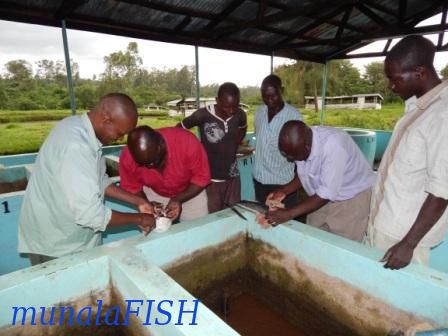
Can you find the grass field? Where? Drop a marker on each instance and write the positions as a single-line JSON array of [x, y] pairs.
[[24, 131]]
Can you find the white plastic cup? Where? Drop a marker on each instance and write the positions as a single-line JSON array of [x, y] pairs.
[[162, 224]]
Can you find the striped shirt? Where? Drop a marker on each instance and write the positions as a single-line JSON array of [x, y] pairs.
[[270, 166]]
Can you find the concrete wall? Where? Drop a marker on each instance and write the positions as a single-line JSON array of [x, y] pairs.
[[131, 268]]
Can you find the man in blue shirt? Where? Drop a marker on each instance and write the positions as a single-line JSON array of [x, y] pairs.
[[335, 175]]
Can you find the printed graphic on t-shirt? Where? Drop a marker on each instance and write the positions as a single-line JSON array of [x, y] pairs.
[[234, 171], [213, 132]]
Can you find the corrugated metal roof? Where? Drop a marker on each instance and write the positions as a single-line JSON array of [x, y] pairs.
[[316, 30]]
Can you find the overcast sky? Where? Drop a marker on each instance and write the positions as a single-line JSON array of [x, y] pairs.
[[33, 43]]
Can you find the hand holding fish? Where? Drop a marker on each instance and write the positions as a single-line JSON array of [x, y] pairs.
[[173, 209], [274, 199], [278, 216], [158, 208], [145, 207]]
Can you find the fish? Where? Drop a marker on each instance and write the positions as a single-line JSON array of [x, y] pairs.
[[252, 206], [238, 213], [259, 209]]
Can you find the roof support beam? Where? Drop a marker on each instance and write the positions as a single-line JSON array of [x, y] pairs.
[[27, 14], [261, 9], [402, 6], [379, 7], [163, 7], [331, 21], [197, 14], [363, 55], [371, 14], [437, 7], [442, 21], [67, 7], [185, 22], [277, 17], [224, 14], [309, 27], [388, 35], [317, 42], [387, 45], [344, 20]]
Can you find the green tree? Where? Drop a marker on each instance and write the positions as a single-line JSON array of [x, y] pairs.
[[19, 70], [85, 95], [444, 72], [124, 65], [184, 81], [122, 69], [48, 70], [377, 81], [3, 95], [344, 79]]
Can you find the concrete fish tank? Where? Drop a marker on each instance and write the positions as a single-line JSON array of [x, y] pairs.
[[219, 275], [300, 280]]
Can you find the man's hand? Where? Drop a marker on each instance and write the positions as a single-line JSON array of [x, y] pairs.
[[398, 256], [157, 208], [276, 196], [173, 209], [263, 221], [145, 207], [147, 223], [277, 216]]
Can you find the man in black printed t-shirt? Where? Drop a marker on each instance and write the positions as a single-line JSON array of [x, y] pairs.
[[222, 127]]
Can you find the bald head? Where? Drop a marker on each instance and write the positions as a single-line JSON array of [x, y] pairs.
[[117, 104], [412, 51], [295, 140], [146, 146], [114, 116]]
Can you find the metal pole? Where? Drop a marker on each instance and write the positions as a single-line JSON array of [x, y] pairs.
[[198, 86], [272, 63], [68, 69], [324, 91]]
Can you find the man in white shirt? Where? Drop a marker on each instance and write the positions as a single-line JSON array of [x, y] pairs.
[[335, 175], [410, 196], [63, 209]]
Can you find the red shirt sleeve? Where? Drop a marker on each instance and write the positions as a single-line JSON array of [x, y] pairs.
[[197, 157], [127, 168]]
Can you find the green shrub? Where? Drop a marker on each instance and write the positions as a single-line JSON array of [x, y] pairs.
[[11, 126]]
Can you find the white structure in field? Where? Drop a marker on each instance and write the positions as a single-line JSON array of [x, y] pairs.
[[359, 101], [186, 106]]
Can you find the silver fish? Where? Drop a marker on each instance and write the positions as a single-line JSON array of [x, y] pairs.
[[252, 206]]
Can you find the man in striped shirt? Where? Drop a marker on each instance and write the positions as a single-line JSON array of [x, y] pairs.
[[271, 169]]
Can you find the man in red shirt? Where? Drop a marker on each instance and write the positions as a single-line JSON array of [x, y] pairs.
[[169, 166]]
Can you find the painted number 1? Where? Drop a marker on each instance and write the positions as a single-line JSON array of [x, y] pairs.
[[5, 207]]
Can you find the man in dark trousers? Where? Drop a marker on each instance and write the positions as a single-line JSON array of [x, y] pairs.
[[271, 170], [222, 126]]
